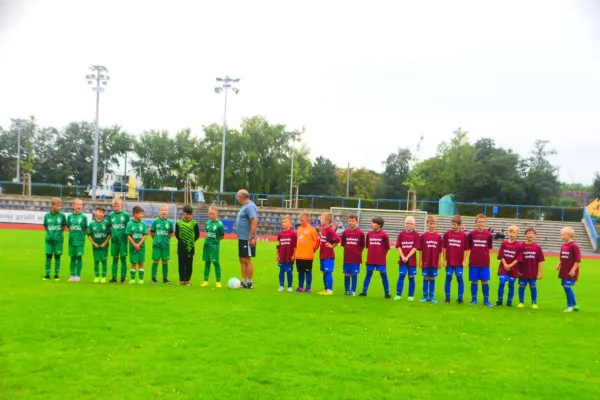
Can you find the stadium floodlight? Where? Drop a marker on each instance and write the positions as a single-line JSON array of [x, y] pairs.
[[224, 88], [98, 76], [294, 136]]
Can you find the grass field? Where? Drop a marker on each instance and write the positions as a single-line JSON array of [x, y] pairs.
[[61, 340]]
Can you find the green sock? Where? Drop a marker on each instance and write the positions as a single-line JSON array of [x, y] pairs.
[[141, 273], [56, 265], [72, 266], [48, 265], [97, 269], [218, 271], [115, 267], [104, 268], [165, 270], [206, 270], [123, 267], [79, 266], [154, 270], [132, 273]]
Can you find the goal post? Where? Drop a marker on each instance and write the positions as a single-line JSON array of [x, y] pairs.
[[393, 219]]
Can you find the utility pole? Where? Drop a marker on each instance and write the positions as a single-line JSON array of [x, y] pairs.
[[98, 76], [226, 85]]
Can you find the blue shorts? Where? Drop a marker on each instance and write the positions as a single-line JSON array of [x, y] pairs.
[[351, 269], [524, 282], [406, 270], [289, 267], [327, 265], [567, 282], [479, 274], [506, 278], [454, 270], [378, 268], [430, 272]]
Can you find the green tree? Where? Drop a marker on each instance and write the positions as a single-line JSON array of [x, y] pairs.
[[27, 129], [395, 174], [541, 177], [323, 180], [363, 182], [596, 186]]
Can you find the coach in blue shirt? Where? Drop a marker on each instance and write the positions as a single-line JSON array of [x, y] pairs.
[[245, 227]]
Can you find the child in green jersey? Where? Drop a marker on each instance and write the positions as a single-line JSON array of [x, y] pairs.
[[54, 224], [99, 235], [215, 231], [187, 233], [77, 224], [136, 232], [118, 245], [162, 230]]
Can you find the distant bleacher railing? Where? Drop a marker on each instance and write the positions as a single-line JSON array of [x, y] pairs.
[[591, 228], [570, 214]]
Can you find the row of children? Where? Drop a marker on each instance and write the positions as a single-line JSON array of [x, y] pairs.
[[124, 235], [455, 250]]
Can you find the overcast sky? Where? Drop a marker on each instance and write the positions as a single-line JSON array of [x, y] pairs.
[[364, 77]]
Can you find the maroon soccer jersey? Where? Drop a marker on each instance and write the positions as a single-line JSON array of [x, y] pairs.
[[378, 244], [455, 244], [408, 241], [480, 244], [328, 235], [510, 252], [532, 257], [431, 247], [353, 241], [287, 245], [569, 255]]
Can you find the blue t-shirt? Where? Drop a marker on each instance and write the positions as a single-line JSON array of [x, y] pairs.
[[244, 219]]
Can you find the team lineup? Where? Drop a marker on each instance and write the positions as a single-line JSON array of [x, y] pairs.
[[455, 250]]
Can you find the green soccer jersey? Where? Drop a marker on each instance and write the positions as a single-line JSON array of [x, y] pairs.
[[55, 225], [137, 230], [99, 231], [77, 224], [214, 231], [162, 228], [118, 224]]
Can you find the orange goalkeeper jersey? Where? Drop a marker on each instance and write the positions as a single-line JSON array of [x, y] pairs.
[[308, 243]]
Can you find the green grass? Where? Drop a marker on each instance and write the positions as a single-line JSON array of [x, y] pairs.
[[61, 340]]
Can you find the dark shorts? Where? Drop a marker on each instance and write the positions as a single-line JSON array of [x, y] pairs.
[[245, 250], [304, 265]]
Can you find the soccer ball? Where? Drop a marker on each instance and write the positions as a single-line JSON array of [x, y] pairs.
[[234, 283]]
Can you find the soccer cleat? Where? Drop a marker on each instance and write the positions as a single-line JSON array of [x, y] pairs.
[[47, 278], [56, 278], [520, 305], [103, 280], [433, 301], [243, 285], [499, 303], [535, 306], [397, 298], [322, 292], [123, 281], [460, 301], [166, 281], [488, 304], [218, 285], [77, 279], [446, 300], [424, 300], [250, 285], [327, 293], [180, 283], [188, 283], [71, 279], [508, 304], [281, 289], [352, 294], [113, 280], [347, 293], [410, 298], [290, 289], [140, 281], [300, 290], [131, 281], [154, 281], [575, 308], [363, 295], [473, 302], [387, 296], [309, 291], [205, 283], [568, 309]]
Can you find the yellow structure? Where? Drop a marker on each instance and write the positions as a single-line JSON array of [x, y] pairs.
[[594, 208], [132, 188]]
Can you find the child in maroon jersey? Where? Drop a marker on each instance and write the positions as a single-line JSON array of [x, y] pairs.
[[480, 243], [568, 266], [353, 241], [431, 249], [510, 256], [378, 244], [530, 269], [285, 253], [455, 244], [329, 240], [407, 244]]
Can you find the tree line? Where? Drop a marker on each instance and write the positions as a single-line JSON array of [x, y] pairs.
[[258, 157]]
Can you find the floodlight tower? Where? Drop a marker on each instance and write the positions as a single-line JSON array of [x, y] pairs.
[[98, 77], [226, 84], [294, 137]]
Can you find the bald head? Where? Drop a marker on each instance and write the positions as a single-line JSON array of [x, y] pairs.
[[242, 196]]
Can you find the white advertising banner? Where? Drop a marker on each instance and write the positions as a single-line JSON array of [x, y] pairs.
[[27, 217]]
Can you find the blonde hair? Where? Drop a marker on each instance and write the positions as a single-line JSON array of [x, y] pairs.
[[116, 200], [305, 215], [513, 228], [55, 200], [77, 199], [480, 216], [213, 208], [286, 218], [410, 219], [328, 216], [431, 218], [568, 230]]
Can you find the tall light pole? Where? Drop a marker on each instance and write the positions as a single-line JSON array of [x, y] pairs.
[[295, 136], [98, 76], [225, 86]]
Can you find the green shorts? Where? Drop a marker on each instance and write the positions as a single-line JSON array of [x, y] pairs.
[[159, 253], [55, 249], [118, 249], [100, 254], [76, 250], [210, 256], [137, 257]]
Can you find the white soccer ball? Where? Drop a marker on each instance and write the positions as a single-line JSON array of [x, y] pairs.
[[234, 283]]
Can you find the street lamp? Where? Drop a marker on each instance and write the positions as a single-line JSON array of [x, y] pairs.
[[225, 86], [98, 76], [294, 136]]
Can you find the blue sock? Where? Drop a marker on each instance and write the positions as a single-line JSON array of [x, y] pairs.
[[533, 294], [570, 296], [511, 292], [281, 276], [354, 279], [400, 285], [573, 302], [501, 290], [301, 276], [325, 281], [367, 281], [386, 283], [329, 280], [431, 288], [308, 279], [290, 278], [448, 285], [461, 287], [347, 283], [522, 294], [474, 289], [425, 289], [411, 286], [485, 288]]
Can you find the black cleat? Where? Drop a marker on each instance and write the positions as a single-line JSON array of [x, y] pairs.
[[250, 285], [460, 301], [508, 304], [113, 280], [47, 277], [166, 281], [499, 303], [123, 280], [244, 285], [388, 296], [447, 301], [56, 278], [154, 281], [363, 295]]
